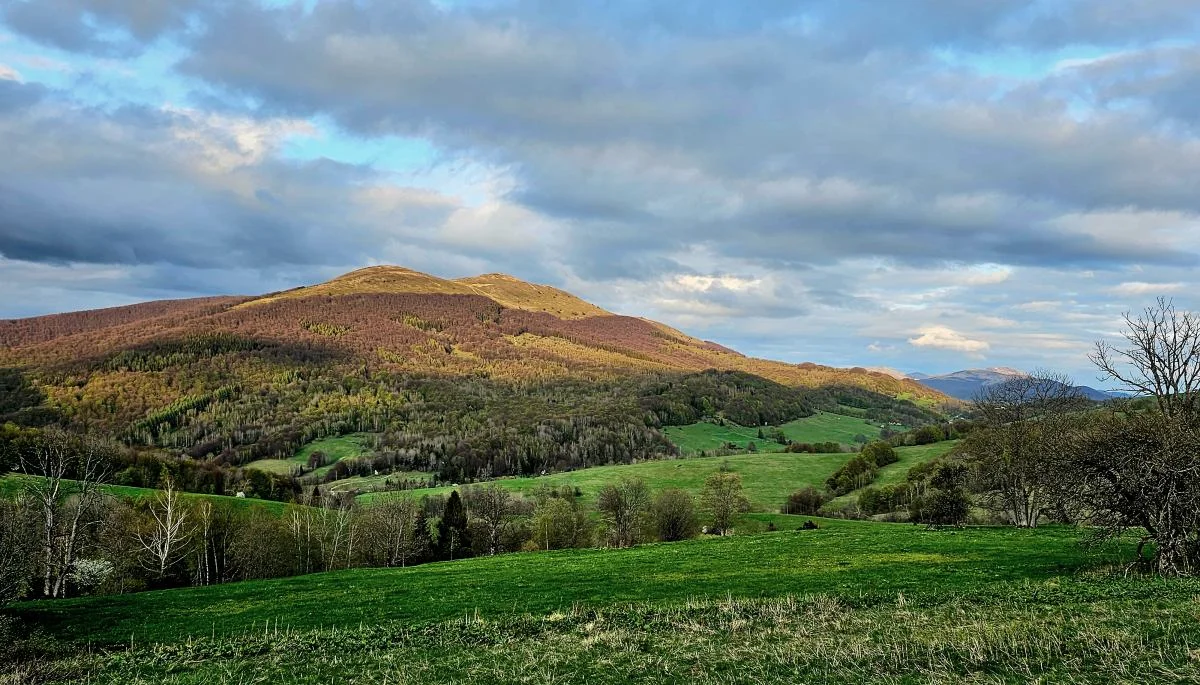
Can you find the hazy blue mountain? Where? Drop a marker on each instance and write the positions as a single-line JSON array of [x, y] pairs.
[[966, 384]]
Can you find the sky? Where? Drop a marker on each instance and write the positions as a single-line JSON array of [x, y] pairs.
[[918, 184]]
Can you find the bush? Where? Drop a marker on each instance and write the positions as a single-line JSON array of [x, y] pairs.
[[941, 508], [673, 515], [880, 452], [814, 447], [883, 500], [806, 501]]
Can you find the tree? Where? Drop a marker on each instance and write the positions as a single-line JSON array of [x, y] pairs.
[[67, 493], [391, 529], [674, 515], [880, 452], [166, 541], [806, 501], [1017, 453], [18, 545], [560, 524], [453, 534], [1162, 359], [492, 505], [723, 498], [623, 508], [1140, 468], [944, 500]]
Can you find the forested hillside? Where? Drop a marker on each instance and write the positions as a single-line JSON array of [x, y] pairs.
[[464, 380]]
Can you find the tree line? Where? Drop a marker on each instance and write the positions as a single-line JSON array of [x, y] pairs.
[[61, 535]]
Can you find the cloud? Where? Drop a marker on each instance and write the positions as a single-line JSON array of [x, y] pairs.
[[99, 27], [751, 170], [944, 338], [1141, 288], [7, 73]]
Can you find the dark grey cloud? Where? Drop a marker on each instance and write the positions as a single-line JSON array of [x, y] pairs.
[[18, 96], [691, 126], [99, 27], [633, 141]]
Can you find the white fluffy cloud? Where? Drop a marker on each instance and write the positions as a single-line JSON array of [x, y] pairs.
[[945, 338]]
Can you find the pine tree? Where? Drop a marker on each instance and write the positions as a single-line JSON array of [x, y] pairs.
[[454, 540]]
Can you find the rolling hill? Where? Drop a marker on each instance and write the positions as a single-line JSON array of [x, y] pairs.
[[468, 378]]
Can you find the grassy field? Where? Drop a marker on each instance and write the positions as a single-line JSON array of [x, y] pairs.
[[1126, 632], [827, 427], [856, 561], [375, 483], [850, 602], [820, 427], [336, 448], [767, 477], [12, 483]]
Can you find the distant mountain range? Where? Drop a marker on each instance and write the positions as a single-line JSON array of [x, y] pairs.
[[966, 384]]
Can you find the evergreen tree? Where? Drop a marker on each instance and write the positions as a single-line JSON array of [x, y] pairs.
[[454, 539]]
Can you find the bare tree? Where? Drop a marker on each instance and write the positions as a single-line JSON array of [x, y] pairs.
[[1139, 468], [166, 541], [492, 505], [1162, 359], [66, 489], [623, 507], [390, 528], [1017, 452]]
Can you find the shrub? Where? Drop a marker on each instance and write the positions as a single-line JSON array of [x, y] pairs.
[[880, 452], [941, 508], [889, 498], [673, 514], [805, 501]]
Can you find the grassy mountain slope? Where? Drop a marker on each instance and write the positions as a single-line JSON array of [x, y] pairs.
[[473, 378], [395, 318]]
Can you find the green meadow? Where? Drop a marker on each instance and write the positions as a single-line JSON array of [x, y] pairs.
[[768, 478], [849, 602], [12, 484], [336, 448], [820, 427]]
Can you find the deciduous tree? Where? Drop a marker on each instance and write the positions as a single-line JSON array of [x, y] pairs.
[[724, 498], [623, 507]]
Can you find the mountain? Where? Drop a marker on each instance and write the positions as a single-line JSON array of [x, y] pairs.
[[480, 376], [966, 384]]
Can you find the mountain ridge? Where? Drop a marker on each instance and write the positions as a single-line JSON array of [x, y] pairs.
[[966, 384]]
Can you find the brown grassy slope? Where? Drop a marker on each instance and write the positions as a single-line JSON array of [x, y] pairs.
[[513, 293], [396, 319]]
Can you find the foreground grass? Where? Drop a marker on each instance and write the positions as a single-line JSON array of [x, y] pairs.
[[1074, 631], [854, 562]]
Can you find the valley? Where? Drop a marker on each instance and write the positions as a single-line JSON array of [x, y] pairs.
[[391, 458]]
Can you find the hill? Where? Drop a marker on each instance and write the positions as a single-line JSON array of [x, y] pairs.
[[468, 378], [967, 384]]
